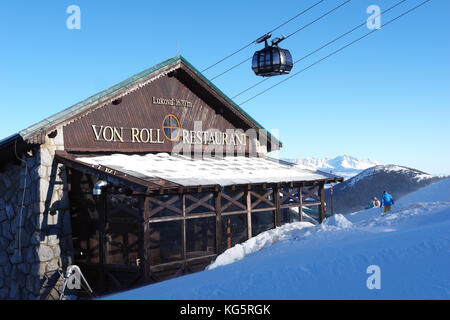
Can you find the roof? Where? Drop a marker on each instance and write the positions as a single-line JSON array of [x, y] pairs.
[[61, 116], [187, 172]]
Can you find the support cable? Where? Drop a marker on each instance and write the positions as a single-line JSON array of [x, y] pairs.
[[336, 51]]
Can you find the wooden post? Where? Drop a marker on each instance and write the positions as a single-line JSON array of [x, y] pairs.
[[183, 230], [276, 199], [101, 207], [249, 214], [300, 199], [218, 207], [321, 192], [144, 241]]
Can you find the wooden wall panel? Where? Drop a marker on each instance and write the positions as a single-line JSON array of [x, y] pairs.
[[137, 110]]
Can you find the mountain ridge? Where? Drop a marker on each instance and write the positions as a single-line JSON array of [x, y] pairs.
[[344, 165], [355, 193]]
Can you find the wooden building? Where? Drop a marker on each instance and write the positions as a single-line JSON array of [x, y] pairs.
[[147, 180]]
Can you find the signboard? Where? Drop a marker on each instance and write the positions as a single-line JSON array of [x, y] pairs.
[[154, 118]]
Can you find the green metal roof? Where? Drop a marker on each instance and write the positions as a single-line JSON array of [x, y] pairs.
[[81, 105]]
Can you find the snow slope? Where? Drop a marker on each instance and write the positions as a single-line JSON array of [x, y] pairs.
[[411, 245]]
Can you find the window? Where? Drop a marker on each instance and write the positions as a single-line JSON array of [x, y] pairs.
[[165, 242], [289, 215], [234, 230], [262, 221], [122, 229], [171, 127], [200, 237]]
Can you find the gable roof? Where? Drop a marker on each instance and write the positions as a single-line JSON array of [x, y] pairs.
[[32, 134]]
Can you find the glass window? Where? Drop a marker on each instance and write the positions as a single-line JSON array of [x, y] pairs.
[[165, 242], [288, 57], [200, 237], [167, 122], [255, 61], [262, 221], [289, 215], [174, 133], [171, 124], [261, 59], [234, 230], [268, 58], [282, 58], [122, 228], [276, 57], [84, 217]]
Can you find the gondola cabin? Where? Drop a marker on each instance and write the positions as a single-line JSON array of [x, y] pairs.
[[271, 60]]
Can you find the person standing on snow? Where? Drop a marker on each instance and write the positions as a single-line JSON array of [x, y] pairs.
[[376, 202], [387, 201]]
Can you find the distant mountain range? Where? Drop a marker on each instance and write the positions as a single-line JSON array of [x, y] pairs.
[[345, 166], [355, 193]]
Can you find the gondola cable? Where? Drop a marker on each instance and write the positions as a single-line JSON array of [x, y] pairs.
[[276, 28], [291, 34], [334, 52], [322, 47]]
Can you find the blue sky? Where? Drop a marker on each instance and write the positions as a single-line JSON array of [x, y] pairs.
[[387, 97]]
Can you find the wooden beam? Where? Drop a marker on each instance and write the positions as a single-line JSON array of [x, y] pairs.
[[249, 214], [321, 192], [183, 231], [300, 207], [144, 234], [276, 199], [101, 207], [218, 206]]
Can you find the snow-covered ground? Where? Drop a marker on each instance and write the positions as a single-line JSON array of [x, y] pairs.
[[410, 245]]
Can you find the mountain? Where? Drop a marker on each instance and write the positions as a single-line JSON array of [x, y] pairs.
[[345, 166], [355, 193]]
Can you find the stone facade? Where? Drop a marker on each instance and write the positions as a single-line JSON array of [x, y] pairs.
[[35, 231]]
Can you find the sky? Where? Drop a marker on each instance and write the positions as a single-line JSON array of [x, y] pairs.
[[387, 97]]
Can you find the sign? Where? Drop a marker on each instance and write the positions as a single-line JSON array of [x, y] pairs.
[[155, 136], [172, 102]]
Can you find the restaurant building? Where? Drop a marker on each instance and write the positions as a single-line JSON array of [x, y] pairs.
[[145, 181]]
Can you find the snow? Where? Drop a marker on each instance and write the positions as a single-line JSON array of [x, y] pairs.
[[411, 246], [345, 166], [207, 171], [259, 242], [417, 175]]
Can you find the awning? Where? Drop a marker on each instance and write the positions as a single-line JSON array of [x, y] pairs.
[[163, 170]]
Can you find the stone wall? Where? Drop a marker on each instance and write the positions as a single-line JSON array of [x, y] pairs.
[[35, 238]]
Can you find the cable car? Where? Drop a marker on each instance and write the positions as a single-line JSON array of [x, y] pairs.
[[272, 60]]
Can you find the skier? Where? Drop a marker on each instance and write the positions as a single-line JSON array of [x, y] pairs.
[[387, 201], [376, 202]]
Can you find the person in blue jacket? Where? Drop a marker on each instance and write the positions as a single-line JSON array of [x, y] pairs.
[[387, 201]]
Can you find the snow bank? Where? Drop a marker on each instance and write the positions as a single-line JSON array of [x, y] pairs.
[[436, 192], [264, 239], [286, 232]]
